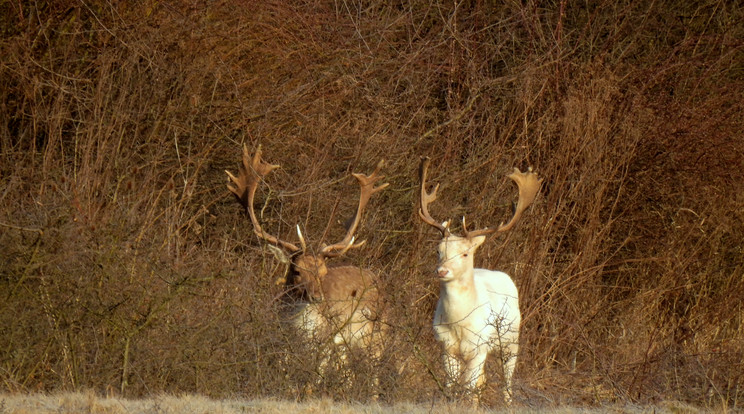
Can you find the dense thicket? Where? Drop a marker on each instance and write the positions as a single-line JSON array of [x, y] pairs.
[[126, 265]]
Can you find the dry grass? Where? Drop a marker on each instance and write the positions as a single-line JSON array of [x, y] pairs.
[[190, 404], [127, 267]]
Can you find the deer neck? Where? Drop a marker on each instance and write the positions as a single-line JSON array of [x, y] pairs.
[[456, 292]]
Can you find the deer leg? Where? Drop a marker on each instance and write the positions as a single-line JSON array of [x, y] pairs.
[[509, 358], [374, 347], [343, 366], [324, 361], [452, 368], [474, 375]]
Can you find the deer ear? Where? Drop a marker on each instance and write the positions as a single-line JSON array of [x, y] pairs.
[[278, 253], [477, 240]]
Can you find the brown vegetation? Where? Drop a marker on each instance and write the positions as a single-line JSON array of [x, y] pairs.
[[127, 267]]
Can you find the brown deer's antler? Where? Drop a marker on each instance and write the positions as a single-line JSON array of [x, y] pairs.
[[529, 185], [367, 184], [252, 171], [427, 198]]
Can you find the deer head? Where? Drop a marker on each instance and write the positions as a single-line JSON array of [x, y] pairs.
[[456, 252], [308, 268]]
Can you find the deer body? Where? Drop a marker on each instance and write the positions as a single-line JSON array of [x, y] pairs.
[[336, 303], [477, 313], [348, 311], [478, 309]]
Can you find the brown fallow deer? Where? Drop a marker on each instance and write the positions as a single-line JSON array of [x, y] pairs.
[[330, 302], [478, 309]]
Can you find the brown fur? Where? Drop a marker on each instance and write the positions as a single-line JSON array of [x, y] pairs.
[[340, 295]]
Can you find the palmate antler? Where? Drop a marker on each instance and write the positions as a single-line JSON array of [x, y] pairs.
[[252, 171], [367, 184], [528, 183]]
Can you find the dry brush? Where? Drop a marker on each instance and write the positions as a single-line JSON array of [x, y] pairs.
[[126, 268]]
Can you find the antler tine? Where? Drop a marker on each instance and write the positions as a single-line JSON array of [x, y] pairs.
[[427, 198], [251, 172], [303, 246], [367, 185], [529, 185]]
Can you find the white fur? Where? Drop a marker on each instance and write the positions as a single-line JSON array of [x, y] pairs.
[[477, 312]]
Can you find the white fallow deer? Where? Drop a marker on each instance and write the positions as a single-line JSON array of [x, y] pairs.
[[329, 302], [478, 309]]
